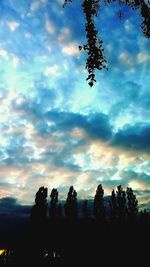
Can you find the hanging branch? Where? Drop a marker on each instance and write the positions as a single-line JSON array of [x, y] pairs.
[[94, 49], [145, 12], [94, 46]]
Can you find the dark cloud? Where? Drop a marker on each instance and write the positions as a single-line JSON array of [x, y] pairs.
[[96, 125], [143, 197], [133, 137], [10, 209], [131, 175]]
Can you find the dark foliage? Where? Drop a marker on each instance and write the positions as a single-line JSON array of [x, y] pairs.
[[53, 203], [71, 204], [94, 46], [132, 205], [64, 239], [39, 211], [113, 206], [98, 206], [94, 49], [124, 206], [121, 202]]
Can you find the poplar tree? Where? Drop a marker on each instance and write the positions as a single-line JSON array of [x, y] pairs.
[[99, 208]]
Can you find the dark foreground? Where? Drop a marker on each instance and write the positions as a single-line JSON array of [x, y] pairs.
[[79, 243]]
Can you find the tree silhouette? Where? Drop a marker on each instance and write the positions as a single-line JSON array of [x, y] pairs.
[[53, 203], [71, 204], [94, 46], [113, 206], [53, 225], [61, 242], [38, 226], [39, 211], [96, 59], [132, 205], [121, 204], [98, 206]]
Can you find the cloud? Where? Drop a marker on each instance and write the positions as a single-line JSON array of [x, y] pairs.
[[53, 70], [70, 49], [11, 209], [143, 58], [4, 54], [35, 5], [55, 130], [126, 58], [64, 35], [49, 26], [136, 137], [13, 25], [96, 125], [57, 147]]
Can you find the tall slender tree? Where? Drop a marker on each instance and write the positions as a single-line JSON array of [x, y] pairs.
[[132, 205], [39, 211], [53, 203], [113, 206], [121, 204], [71, 208], [99, 207]]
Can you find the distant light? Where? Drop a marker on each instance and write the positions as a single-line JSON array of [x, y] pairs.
[[1, 251]]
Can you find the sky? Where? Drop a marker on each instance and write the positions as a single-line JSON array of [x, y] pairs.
[[55, 130]]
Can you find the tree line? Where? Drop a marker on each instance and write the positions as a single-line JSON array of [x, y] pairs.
[[58, 236], [122, 206]]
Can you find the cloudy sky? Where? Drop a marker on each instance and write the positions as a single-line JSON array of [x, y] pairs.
[[57, 131]]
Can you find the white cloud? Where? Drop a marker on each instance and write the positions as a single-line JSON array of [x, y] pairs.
[[138, 185], [126, 58], [37, 4], [53, 70], [49, 26], [143, 57], [4, 53], [13, 25], [71, 49]]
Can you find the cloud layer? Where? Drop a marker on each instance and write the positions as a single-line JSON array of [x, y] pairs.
[[55, 130]]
